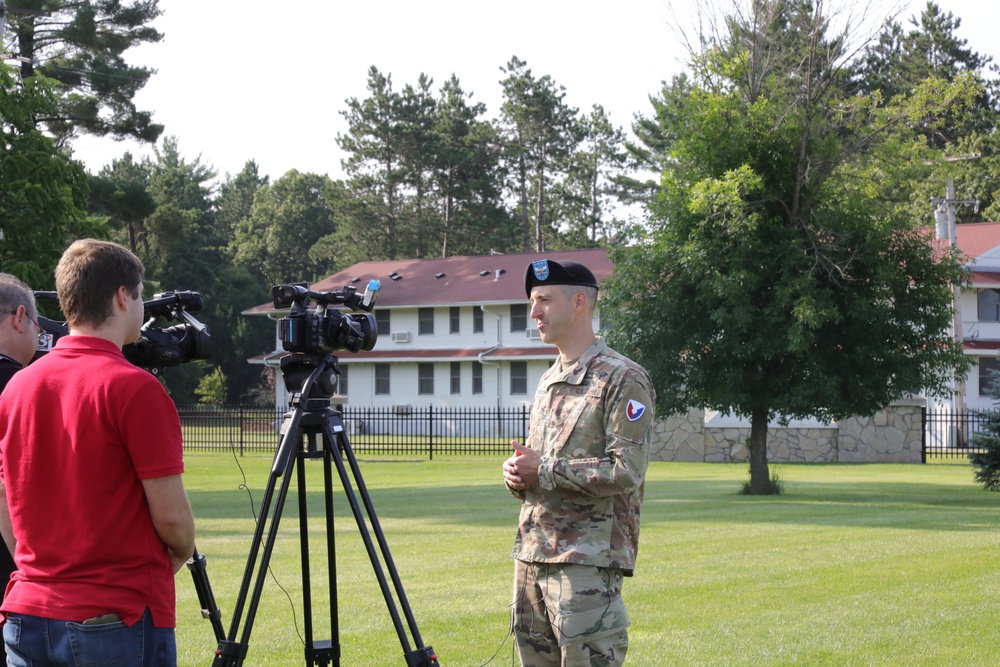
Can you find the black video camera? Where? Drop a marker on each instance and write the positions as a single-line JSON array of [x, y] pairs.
[[156, 347], [327, 328]]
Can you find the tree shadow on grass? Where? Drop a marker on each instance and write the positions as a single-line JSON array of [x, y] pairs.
[[888, 504]]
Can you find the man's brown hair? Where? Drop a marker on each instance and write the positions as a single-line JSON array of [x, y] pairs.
[[88, 276]]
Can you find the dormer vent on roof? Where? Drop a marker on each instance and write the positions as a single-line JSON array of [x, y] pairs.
[[484, 273], [498, 273], [439, 275]]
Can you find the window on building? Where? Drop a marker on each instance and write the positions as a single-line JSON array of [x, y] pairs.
[[477, 319], [381, 379], [454, 319], [518, 378], [456, 377], [518, 317], [989, 305], [989, 370], [382, 321], [477, 377], [425, 379], [425, 319], [342, 381]]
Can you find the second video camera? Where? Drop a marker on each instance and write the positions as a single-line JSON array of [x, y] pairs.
[[326, 328], [156, 347]]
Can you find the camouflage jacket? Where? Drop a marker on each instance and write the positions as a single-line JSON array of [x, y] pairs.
[[590, 423]]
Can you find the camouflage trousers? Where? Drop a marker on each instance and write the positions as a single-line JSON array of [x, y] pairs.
[[568, 615]]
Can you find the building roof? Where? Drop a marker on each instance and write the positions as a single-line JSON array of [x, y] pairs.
[[976, 239], [449, 281], [985, 278]]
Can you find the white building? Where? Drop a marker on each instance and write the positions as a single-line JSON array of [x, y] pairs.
[[451, 332], [978, 309]]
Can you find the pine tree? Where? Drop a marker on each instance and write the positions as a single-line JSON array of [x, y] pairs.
[[81, 44]]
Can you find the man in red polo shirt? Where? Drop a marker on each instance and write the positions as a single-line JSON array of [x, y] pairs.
[[91, 456]]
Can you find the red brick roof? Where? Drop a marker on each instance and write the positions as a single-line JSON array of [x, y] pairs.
[[977, 238], [451, 281]]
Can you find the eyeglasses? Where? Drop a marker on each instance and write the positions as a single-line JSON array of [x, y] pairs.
[[42, 334]]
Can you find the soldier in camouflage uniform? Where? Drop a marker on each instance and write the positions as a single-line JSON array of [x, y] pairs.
[[580, 478]]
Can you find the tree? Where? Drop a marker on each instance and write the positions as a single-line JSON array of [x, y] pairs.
[[423, 175], [289, 217], [593, 187], [540, 133], [376, 176], [43, 193], [80, 44], [121, 192], [781, 277], [932, 48], [235, 199], [900, 61], [211, 389], [467, 178], [180, 247]]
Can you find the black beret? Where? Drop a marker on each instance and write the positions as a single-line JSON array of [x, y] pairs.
[[551, 272]]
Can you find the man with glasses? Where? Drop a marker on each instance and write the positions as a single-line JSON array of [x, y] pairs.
[[18, 340], [19, 328]]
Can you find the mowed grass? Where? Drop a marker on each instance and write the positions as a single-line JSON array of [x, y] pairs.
[[854, 565]]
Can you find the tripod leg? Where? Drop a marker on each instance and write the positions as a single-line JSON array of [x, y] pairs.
[[340, 448], [318, 653], [231, 652], [209, 609]]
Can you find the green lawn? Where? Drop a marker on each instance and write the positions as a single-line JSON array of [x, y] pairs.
[[853, 566]]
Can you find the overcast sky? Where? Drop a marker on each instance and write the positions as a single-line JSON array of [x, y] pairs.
[[248, 79]]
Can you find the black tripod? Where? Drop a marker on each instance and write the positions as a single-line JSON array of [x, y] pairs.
[[313, 430]]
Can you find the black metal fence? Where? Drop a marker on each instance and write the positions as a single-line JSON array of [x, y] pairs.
[[423, 431], [952, 435]]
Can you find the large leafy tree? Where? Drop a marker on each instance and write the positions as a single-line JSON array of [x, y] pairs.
[[284, 238], [780, 278], [43, 193], [81, 44]]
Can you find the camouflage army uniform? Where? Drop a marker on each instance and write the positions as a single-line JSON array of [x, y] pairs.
[[579, 529]]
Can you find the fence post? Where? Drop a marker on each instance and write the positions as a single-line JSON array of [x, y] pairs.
[[430, 431], [923, 435], [240, 417]]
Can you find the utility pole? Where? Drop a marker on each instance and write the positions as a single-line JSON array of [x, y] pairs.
[[947, 228]]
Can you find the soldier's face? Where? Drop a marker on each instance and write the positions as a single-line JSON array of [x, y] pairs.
[[552, 309]]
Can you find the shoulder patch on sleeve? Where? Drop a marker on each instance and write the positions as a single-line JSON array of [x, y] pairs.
[[634, 410]]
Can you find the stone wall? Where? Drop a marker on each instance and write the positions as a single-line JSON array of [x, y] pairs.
[[893, 435]]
